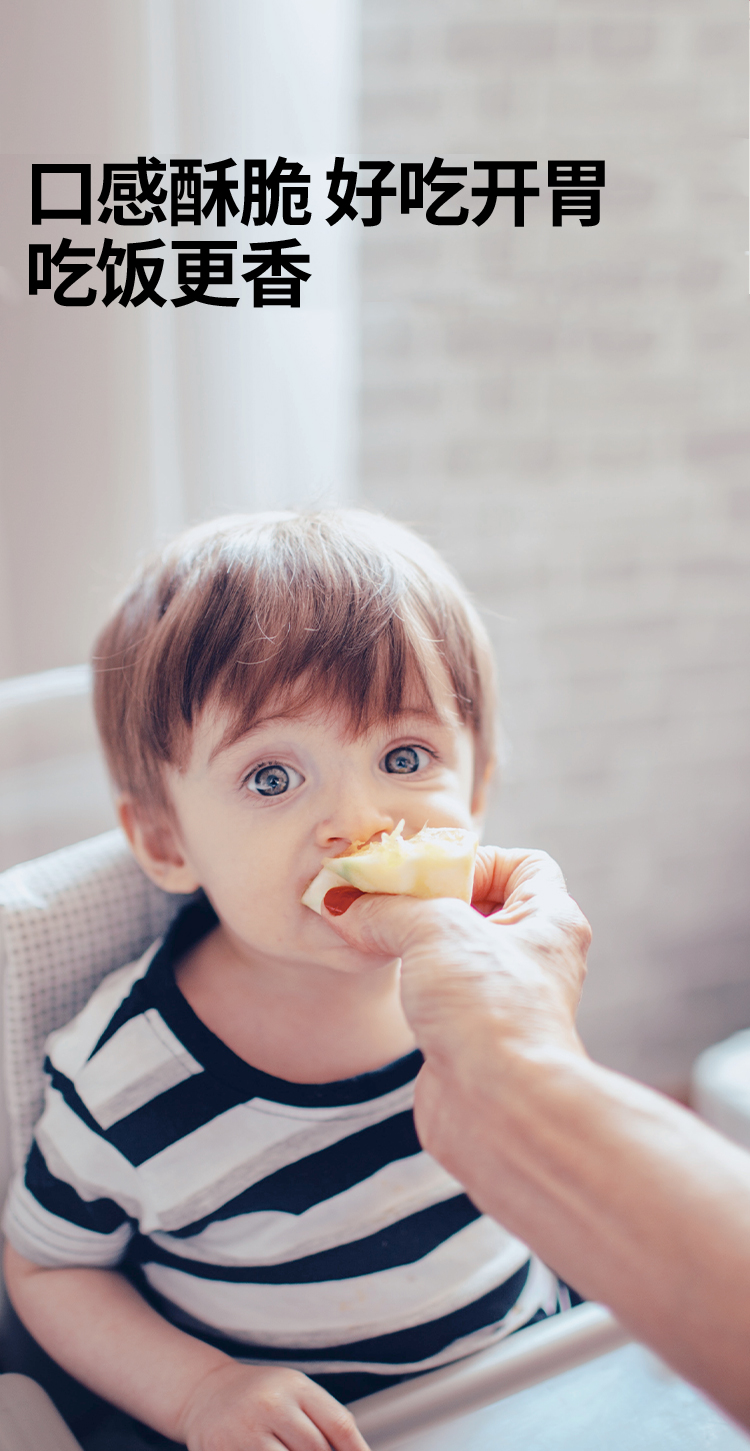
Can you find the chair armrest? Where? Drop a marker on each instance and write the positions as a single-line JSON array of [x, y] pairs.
[[28, 1419], [523, 1359]]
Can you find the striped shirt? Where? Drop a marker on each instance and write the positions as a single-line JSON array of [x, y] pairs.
[[297, 1223]]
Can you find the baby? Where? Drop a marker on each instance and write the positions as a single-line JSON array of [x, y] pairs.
[[227, 1226]]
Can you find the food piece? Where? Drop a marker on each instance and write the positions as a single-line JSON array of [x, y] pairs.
[[437, 862], [318, 887]]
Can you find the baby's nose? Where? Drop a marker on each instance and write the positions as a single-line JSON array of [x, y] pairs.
[[352, 821]]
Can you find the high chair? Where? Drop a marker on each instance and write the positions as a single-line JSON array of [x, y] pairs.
[[70, 917], [66, 920]]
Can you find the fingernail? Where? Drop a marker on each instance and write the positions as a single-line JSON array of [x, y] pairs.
[[338, 900]]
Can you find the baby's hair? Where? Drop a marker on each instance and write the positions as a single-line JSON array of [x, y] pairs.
[[337, 607]]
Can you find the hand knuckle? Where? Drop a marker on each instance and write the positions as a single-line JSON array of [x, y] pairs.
[[344, 1423], [273, 1400]]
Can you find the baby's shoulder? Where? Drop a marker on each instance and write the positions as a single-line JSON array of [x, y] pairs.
[[71, 1046]]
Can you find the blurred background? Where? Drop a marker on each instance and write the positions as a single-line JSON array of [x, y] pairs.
[[564, 412]]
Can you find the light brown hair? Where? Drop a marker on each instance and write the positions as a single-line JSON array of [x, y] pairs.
[[334, 607]]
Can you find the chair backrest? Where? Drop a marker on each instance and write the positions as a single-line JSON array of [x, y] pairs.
[[53, 785], [66, 920], [720, 1087]]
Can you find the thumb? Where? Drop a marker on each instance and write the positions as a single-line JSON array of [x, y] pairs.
[[384, 925]]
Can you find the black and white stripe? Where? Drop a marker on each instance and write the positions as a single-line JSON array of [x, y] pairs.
[[280, 1221]]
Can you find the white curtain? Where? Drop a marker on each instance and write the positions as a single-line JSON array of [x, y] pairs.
[[255, 408], [119, 425]]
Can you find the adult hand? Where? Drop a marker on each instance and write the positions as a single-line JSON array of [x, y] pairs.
[[526, 961], [507, 969]]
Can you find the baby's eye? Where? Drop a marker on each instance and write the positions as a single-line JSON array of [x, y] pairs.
[[404, 760], [272, 780]]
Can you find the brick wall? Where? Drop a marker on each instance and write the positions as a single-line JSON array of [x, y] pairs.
[[565, 413]]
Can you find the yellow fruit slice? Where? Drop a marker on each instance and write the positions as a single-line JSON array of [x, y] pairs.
[[437, 862]]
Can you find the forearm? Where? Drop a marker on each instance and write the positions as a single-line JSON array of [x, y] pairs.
[[99, 1329], [629, 1197], [626, 1195]]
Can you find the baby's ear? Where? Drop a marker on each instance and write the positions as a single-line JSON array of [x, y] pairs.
[[156, 846]]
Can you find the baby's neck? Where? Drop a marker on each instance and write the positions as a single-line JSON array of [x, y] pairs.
[[306, 1026]]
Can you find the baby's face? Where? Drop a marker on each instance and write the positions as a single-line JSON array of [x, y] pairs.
[[256, 818]]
